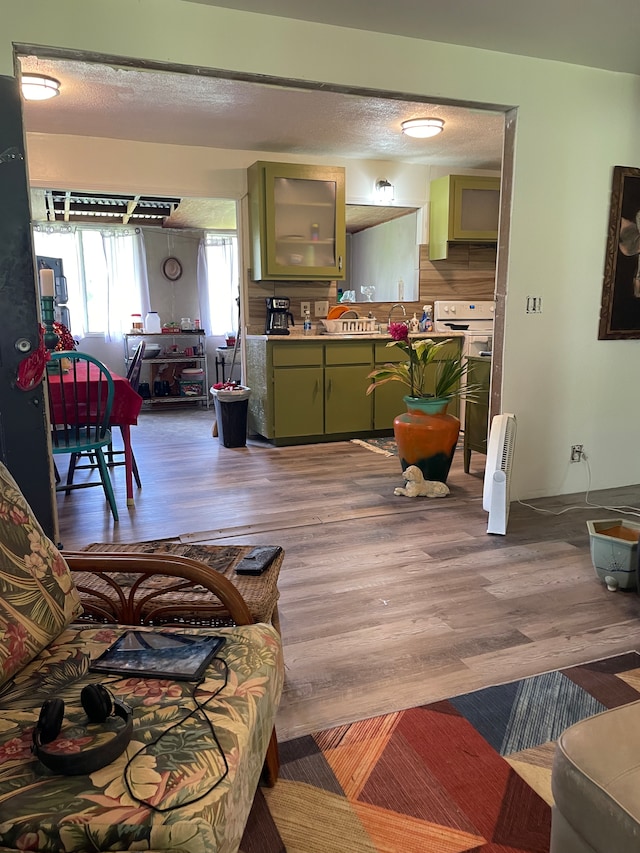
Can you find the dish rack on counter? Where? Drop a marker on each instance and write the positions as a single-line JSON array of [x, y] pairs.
[[350, 326]]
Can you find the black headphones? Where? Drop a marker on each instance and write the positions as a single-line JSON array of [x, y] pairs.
[[99, 703]]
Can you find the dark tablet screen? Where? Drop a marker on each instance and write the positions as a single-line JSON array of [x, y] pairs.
[[155, 654]]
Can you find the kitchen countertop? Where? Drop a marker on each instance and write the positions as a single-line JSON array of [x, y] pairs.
[[360, 337]]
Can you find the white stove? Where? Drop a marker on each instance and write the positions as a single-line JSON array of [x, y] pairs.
[[474, 320]]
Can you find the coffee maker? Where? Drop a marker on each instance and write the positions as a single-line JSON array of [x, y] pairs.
[[278, 315]]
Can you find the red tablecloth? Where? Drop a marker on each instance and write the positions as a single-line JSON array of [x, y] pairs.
[[124, 412], [126, 402]]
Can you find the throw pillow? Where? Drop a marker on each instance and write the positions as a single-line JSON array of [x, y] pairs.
[[38, 598]]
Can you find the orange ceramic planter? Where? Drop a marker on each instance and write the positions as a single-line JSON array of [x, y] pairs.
[[427, 436]]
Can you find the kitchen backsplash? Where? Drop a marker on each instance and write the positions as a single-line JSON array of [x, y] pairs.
[[468, 273]]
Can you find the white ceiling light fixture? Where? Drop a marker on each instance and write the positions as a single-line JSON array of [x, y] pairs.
[[423, 128], [38, 87], [384, 192]]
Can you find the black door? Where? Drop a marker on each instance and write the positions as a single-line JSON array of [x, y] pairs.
[[23, 429]]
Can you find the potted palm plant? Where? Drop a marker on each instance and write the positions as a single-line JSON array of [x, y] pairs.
[[426, 434]]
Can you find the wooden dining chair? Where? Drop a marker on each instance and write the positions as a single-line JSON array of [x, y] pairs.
[[133, 375], [80, 394]]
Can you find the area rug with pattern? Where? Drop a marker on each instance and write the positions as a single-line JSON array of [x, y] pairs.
[[384, 446], [471, 773]]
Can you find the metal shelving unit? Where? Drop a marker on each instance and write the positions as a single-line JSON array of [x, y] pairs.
[[174, 354]]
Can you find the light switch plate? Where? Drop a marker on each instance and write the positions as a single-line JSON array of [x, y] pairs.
[[322, 308]]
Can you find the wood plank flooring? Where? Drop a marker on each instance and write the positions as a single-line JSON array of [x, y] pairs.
[[386, 602]]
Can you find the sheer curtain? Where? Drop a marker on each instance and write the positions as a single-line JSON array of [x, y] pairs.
[[127, 282], [62, 242], [106, 272], [218, 284], [202, 277]]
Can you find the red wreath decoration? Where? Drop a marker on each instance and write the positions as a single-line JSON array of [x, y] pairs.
[[65, 338], [31, 369]]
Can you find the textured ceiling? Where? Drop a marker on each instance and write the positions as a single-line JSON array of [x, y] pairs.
[[185, 109], [102, 100]]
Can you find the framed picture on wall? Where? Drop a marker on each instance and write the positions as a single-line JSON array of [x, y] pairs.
[[620, 307]]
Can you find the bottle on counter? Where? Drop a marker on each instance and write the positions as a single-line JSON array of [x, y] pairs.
[[414, 323], [426, 323], [306, 328]]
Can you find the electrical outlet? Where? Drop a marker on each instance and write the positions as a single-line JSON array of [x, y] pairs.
[[576, 452], [322, 308], [304, 308], [534, 304]]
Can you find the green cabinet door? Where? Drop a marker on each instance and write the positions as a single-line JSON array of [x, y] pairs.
[[388, 399], [298, 401], [452, 349], [348, 409], [297, 222], [476, 420], [462, 208]]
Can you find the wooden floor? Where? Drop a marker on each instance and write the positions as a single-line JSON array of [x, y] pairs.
[[386, 602]]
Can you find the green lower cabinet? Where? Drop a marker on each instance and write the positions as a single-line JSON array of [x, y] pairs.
[[388, 401], [298, 401], [309, 389], [347, 407], [476, 415]]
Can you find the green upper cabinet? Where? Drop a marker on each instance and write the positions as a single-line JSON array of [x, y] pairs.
[[462, 208], [297, 222]]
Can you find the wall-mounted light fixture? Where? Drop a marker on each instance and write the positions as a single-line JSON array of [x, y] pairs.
[[422, 128], [384, 192], [38, 87]]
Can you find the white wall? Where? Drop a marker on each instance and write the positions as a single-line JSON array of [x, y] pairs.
[[195, 172], [172, 300], [564, 385]]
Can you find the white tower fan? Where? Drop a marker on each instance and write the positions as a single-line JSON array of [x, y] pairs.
[[497, 474]]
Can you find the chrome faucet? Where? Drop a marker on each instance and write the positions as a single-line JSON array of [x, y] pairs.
[[397, 305]]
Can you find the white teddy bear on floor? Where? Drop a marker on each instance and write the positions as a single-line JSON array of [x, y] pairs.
[[417, 486]]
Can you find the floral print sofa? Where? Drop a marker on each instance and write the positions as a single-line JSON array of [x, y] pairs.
[[187, 778]]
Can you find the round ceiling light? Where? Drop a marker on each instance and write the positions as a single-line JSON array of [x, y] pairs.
[[422, 128], [38, 87]]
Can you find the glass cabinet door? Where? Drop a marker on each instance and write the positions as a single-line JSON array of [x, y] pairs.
[[304, 221]]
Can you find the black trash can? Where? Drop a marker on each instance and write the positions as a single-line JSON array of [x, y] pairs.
[[231, 414]]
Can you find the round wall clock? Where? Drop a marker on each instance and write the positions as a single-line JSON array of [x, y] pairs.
[[172, 269]]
